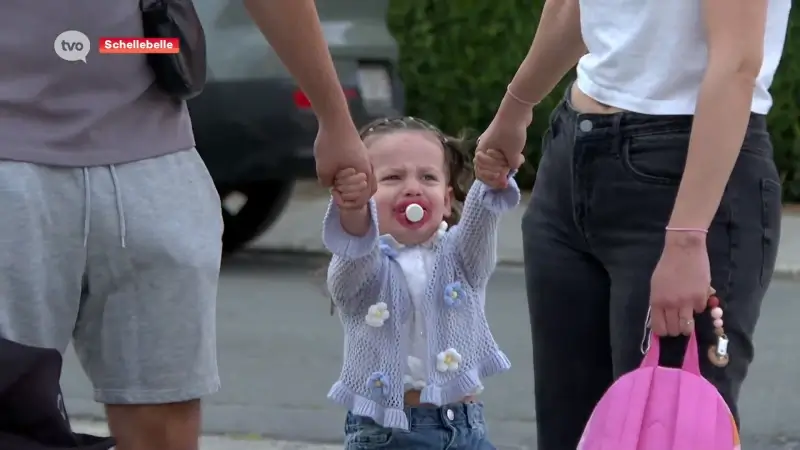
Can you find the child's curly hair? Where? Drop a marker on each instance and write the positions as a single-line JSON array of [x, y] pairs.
[[457, 153]]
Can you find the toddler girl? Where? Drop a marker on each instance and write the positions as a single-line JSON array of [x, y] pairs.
[[411, 292]]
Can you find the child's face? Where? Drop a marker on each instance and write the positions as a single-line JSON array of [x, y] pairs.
[[409, 167]]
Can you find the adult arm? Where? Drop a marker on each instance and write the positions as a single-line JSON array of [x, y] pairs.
[[556, 48], [293, 29], [735, 36], [357, 263]]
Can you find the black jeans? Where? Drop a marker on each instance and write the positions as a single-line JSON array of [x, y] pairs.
[[592, 235]]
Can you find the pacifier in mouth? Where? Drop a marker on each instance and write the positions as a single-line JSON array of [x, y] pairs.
[[414, 213]]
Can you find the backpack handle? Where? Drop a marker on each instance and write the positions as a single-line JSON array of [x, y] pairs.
[[691, 358]]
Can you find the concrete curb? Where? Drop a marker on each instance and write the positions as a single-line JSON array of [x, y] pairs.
[[790, 272], [217, 442], [786, 271], [299, 231]]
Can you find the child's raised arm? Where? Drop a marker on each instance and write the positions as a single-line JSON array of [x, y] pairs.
[[350, 232], [475, 237]]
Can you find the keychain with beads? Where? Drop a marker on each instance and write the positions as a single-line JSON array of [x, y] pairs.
[[718, 353]]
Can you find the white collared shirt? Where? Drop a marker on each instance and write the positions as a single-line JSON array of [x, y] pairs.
[[416, 263]]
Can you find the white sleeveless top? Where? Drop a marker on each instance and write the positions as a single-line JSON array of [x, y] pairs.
[[649, 56]]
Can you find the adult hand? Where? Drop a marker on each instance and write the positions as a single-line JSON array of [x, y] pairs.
[[491, 168], [680, 285], [339, 147], [508, 132]]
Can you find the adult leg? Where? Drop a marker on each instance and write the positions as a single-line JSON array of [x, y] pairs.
[[742, 242], [42, 256], [567, 297], [146, 332]]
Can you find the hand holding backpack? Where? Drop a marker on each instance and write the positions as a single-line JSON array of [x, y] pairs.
[[660, 408]]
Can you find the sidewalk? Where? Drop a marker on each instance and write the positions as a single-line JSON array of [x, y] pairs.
[[299, 230], [219, 442]]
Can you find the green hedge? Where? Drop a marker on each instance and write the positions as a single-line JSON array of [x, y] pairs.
[[456, 58]]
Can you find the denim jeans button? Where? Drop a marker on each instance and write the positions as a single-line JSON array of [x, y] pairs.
[[585, 125], [450, 414]]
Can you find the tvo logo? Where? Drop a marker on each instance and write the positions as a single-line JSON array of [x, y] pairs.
[[72, 46]]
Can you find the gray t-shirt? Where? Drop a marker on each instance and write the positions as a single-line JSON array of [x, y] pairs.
[[104, 111]]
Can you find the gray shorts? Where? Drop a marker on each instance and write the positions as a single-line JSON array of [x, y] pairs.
[[125, 261]]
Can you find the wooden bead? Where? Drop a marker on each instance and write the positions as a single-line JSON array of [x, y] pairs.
[[717, 360], [719, 331], [713, 301]]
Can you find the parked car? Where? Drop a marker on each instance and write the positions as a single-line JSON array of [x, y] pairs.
[[254, 128]]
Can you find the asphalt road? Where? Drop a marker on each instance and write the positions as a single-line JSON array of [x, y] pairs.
[[279, 351]]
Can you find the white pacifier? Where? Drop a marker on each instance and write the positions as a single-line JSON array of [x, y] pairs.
[[414, 212]]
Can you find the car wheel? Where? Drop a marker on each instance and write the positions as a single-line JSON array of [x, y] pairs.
[[249, 209]]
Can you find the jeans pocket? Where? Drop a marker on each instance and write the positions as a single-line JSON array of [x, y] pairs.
[[553, 129], [554, 120], [656, 158], [771, 225], [368, 437], [479, 431]]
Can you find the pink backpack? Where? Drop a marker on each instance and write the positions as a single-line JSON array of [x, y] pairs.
[[658, 408]]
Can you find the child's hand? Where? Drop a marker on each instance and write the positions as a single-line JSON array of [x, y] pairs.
[[492, 168], [351, 189]]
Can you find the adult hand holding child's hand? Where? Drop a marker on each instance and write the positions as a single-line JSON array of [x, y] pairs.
[[492, 168], [508, 132], [351, 189], [338, 147]]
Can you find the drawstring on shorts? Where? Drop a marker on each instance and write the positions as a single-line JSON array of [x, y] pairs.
[[87, 206]]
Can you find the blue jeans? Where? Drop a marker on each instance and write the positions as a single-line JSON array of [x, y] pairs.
[[459, 426]]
